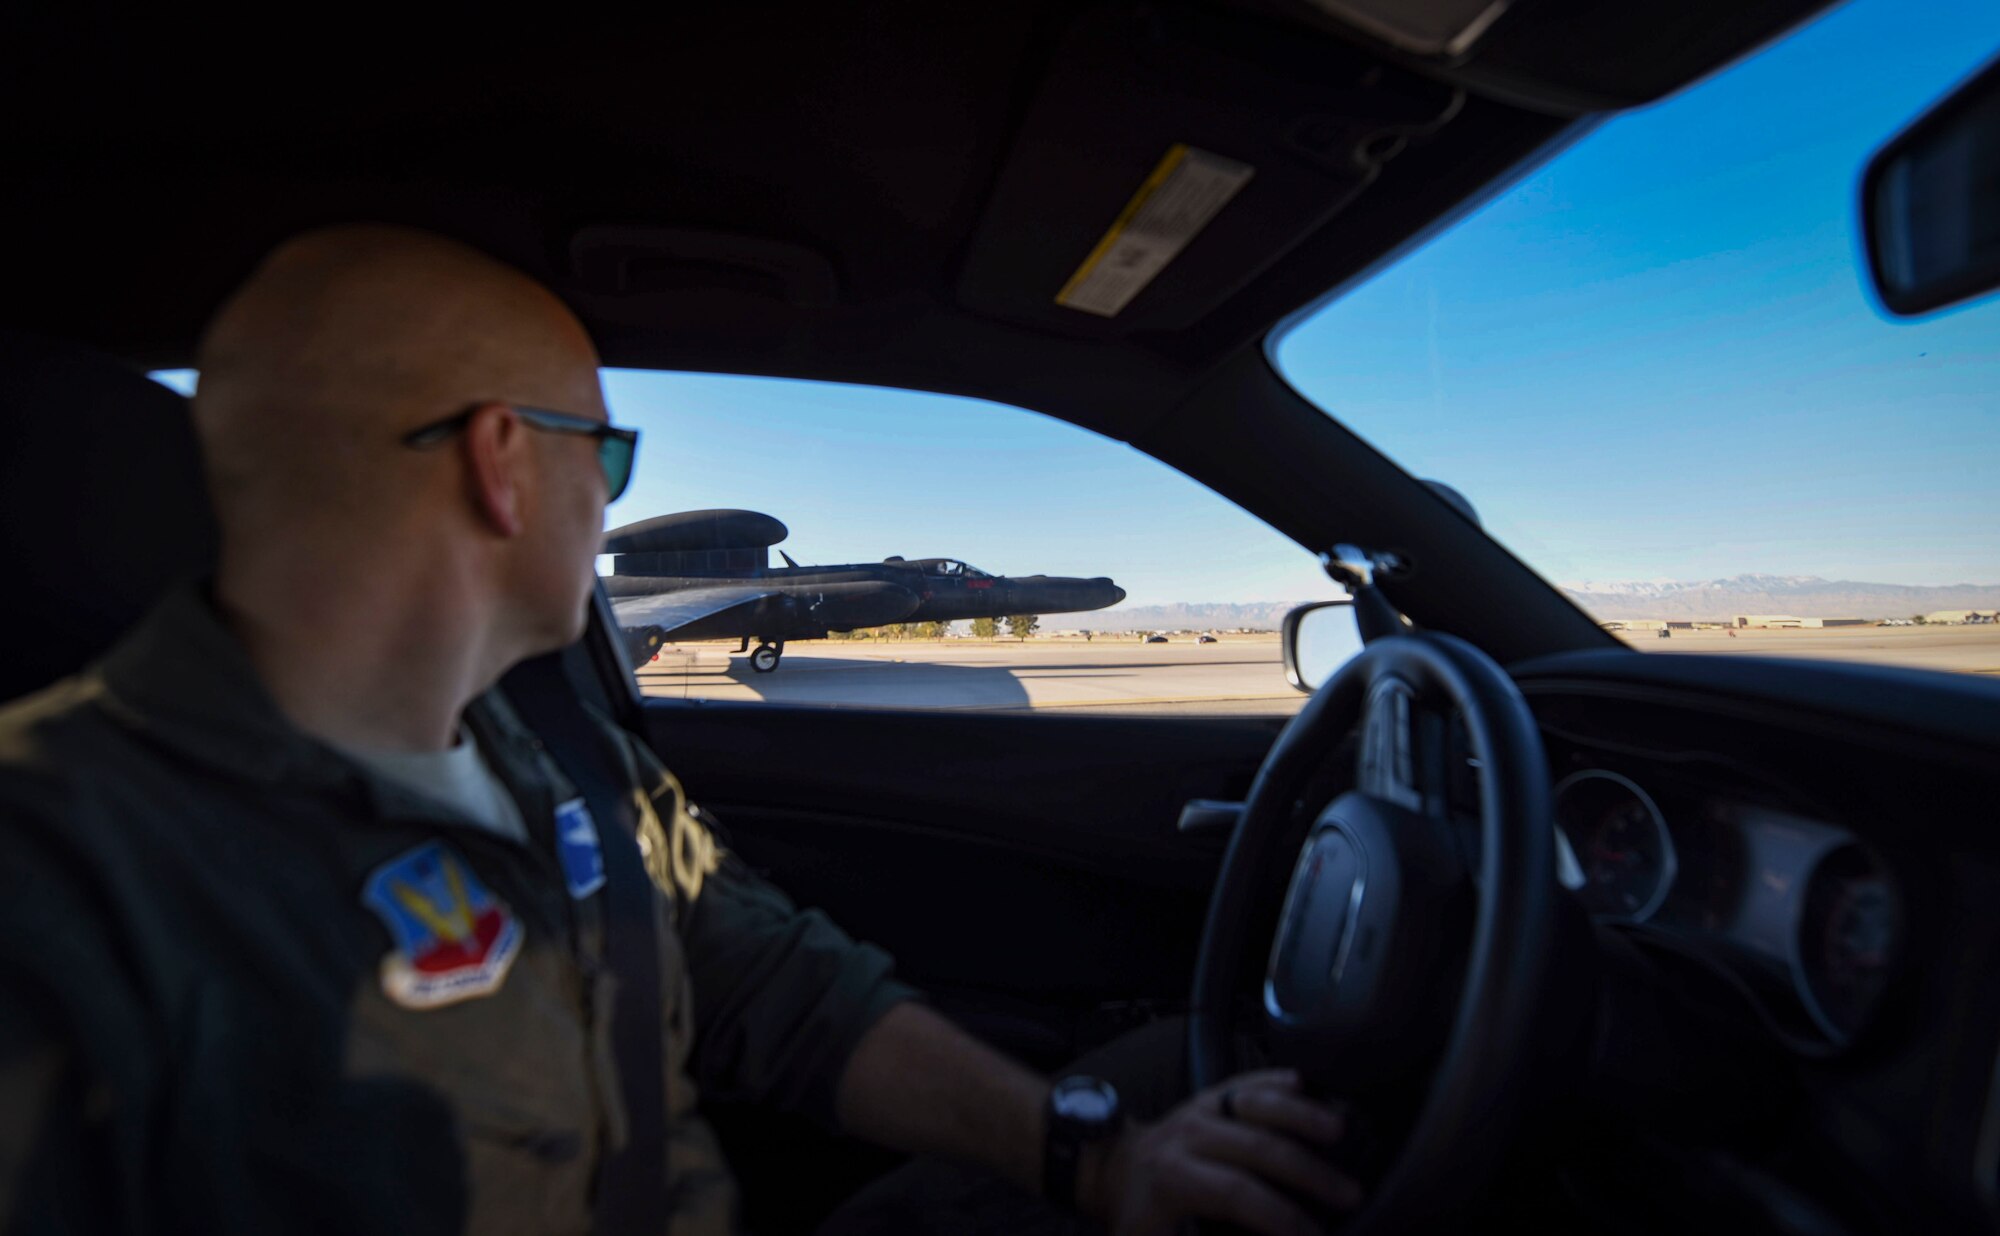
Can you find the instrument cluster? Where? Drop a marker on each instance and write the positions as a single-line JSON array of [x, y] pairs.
[[1802, 913]]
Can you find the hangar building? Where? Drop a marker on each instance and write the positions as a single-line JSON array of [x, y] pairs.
[[1790, 622]]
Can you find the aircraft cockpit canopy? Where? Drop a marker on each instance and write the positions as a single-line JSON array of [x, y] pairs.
[[950, 568]]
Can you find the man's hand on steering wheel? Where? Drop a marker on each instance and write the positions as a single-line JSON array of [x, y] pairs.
[[1241, 1152]]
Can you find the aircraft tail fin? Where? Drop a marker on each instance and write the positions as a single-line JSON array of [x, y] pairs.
[[788, 559]]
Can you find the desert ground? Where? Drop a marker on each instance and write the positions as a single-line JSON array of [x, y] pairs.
[[1966, 650], [1240, 675]]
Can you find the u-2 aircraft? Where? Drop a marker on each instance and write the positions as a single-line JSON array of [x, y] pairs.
[[707, 575]]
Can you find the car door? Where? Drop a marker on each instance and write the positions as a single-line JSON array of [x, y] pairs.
[[1027, 871]]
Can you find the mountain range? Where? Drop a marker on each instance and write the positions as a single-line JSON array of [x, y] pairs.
[[1805, 596], [1179, 616]]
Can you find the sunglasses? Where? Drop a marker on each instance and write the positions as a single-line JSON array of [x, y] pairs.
[[615, 446]]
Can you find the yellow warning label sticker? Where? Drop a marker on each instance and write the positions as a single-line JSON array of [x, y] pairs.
[[1186, 190]]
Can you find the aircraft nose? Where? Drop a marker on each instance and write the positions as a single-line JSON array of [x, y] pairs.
[[1064, 594], [1100, 592]]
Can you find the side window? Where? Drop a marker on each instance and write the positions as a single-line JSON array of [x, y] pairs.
[[810, 543]]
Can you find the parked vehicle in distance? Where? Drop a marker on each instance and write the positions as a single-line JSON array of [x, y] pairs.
[[1204, 639], [1154, 639]]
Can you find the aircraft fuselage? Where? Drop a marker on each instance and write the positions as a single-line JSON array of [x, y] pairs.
[[816, 600], [693, 575]]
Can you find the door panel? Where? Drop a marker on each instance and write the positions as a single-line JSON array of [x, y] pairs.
[[1025, 869]]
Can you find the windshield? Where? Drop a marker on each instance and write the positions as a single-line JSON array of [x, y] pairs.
[[1655, 370]]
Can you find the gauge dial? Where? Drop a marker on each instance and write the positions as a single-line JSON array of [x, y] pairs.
[[1848, 935], [1624, 856]]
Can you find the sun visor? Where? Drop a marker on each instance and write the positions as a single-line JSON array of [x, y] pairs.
[[1167, 160]]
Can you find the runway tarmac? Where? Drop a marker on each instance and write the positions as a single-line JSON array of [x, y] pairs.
[[1239, 676], [1964, 650]]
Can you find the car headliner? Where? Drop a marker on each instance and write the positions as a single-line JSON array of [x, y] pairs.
[[887, 194]]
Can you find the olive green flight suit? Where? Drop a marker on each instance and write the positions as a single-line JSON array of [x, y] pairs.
[[207, 1025]]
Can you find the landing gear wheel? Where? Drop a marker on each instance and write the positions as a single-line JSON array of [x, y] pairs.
[[1382, 913], [765, 659]]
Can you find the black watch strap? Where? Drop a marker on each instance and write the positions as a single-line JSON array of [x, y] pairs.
[[1079, 1111]]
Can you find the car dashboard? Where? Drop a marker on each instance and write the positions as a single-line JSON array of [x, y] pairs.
[[1792, 868], [1800, 913]]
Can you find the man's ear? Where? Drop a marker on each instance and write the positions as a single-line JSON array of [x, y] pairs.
[[496, 449]]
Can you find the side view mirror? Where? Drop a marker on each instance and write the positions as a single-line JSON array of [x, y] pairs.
[[1318, 640], [1930, 203]]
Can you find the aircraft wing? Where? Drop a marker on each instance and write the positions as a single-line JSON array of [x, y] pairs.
[[670, 611]]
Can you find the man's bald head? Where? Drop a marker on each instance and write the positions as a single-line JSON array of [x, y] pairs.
[[379, 587], [348, 337]]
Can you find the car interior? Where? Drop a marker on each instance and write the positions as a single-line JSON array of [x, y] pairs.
[[1780, 1017]]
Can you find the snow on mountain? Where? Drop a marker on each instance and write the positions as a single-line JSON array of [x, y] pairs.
[[1671, 587], [1182, 616], [1807, 596]]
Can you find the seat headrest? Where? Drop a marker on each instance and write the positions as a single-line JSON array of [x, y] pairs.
[[102, 505]]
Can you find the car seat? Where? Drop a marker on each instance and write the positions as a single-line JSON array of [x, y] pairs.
[[102, 505]]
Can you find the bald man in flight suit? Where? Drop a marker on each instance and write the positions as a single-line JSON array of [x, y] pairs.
[[300, 926]]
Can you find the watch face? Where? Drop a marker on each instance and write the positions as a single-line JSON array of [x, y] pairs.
[[1085, 1099]]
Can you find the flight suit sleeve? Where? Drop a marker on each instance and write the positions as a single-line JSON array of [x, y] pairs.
[[782, 996], [74, 1067], [54, 1158]]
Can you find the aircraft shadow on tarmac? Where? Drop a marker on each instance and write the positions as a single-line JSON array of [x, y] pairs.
[[845, 680], [883, 679]]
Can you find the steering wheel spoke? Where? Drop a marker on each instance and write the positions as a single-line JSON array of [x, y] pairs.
[[1386, 765]]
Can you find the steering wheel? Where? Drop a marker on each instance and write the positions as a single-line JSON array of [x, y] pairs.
[[1391, 951]]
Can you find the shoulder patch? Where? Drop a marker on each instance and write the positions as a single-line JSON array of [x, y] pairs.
[[454, 939]]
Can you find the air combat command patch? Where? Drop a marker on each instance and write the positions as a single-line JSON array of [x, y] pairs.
[[454, 939]]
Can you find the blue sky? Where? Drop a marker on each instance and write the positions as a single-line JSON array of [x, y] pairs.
[[1655, 358]]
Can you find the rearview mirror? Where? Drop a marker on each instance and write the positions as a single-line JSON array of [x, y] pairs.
[[1930, 203], [1319, 639]]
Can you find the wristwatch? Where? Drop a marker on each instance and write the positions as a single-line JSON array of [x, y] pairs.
[[1081, 1110]]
